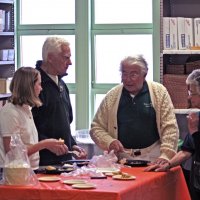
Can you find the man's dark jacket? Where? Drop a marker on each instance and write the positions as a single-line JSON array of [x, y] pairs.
[[54, 117]]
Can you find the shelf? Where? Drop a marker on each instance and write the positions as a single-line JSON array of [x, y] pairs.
[[6, 33], [186, 111], [7, 1], [7, 62], [4, 96], [181, 52]]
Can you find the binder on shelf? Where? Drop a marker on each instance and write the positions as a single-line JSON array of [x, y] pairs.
[[189, 37], [7, 21], [173, 33], [11, 54], [4, 54], [2, 20], [166, 33], [197, 32], [181, 32], [7, 54]]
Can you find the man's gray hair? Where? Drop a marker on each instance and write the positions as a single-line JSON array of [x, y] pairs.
[[135, 60], [53, 45]]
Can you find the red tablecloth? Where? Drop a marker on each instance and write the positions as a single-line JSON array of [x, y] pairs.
[[147, 186]]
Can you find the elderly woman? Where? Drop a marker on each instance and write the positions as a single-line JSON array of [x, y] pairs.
[[136, 118], [191, 144]]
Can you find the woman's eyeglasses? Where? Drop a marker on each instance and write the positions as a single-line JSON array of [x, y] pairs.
[[190, 93]]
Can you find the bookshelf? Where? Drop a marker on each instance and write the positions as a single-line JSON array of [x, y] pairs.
[[7, 41], [177, 59]]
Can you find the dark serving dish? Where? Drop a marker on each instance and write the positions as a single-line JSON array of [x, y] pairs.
[[137, 163], [59, 170], [79, 163]]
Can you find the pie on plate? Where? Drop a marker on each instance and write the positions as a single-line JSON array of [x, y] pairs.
[[49, 178], [74, 181], [107, 170], [84, 186], [121, 177]]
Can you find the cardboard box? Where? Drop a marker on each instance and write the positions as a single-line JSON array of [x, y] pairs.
[[197, 32], [181, 32], [4, 85], [173, 33], [189, 34], [166, 33]]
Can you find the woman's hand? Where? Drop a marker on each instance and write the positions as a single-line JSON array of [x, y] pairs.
[[158, 167], [56, 146]]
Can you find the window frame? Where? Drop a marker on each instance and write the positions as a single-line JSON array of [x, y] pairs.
[[85, 32]]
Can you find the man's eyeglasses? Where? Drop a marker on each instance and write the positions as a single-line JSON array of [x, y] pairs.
[[131, 75]]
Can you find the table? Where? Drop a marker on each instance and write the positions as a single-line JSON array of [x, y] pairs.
[[147, 186]]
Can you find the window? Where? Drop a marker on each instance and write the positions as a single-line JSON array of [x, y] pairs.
[[31, 51], [101, 34], [123, 11], [120, 28], [47, 12], [111, 49]]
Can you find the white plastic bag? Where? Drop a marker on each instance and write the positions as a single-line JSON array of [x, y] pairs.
[[17, 169], [105, 160]]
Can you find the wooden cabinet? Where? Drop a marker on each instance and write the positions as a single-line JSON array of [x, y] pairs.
[[173, 61], [7, 34]]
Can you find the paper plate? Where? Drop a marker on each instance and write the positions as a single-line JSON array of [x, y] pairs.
[[109, 174], [49, 178], [74, 181], [107, 170], [119, 177], [84, 186]]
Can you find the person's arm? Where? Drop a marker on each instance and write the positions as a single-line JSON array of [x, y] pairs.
[[175, 161], [193, 127], [180, 157], [45, 144], [31, 149], [99, 127], [187, 149]]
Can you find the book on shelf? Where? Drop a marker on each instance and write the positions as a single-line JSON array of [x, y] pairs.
[[197, 32]]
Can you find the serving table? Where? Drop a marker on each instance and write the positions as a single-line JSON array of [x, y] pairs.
[[169, 185]]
